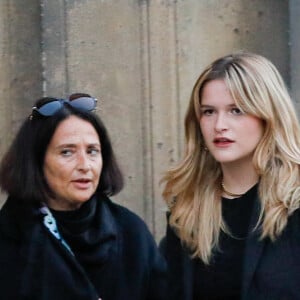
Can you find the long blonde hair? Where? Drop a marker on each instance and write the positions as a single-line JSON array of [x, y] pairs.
[[258, 89]]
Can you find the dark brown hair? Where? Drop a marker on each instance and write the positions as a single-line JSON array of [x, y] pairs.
[[21, 169]]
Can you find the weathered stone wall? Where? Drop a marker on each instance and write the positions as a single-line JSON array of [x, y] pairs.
[[140, 58], [20, 64], [294, 13]]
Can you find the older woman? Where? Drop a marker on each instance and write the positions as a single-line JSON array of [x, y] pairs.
[[61, 237]]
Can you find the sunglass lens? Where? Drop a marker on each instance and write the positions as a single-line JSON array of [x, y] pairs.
[[50, 108], [84, 103]]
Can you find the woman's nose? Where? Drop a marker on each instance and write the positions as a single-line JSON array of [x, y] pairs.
[[83, 162], [221, 122]]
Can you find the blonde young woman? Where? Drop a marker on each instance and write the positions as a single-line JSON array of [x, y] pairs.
[[234, 221]]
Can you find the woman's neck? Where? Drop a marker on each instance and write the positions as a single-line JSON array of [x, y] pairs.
[[238, 180]]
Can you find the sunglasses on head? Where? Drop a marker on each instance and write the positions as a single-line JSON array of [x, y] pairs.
[[54, 105]]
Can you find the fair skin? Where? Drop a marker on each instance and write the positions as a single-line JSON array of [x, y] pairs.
[[73, 163], [230, 135]]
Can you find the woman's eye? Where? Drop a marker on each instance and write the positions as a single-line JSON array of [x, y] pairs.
[[66, 152], [236, 111], [94, 151], [207, 112]]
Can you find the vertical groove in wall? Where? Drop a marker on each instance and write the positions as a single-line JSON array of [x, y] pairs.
[[164, 99], [294, 43], [65, 29], [5, 69], [146, 107], [43, 55], [177, 75], [54, 47], [8, 63]]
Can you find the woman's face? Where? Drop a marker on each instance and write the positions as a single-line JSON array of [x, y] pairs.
[[229, 134], [73, 163]]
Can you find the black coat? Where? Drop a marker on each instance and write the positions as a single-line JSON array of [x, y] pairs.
[[34, 265], [271, 269]]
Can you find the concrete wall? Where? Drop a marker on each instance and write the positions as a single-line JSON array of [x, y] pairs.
[[294, 12], [20, 64], [140, 58]]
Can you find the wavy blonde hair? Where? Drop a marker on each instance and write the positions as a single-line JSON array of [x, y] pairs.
[[258, 89]]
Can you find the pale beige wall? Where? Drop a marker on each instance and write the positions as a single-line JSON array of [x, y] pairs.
[[140, 58], [294, 9], [20, 63]]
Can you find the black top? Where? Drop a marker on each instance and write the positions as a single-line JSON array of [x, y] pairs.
[[271, 269], [79, 229], [115, 256], [223, 277]]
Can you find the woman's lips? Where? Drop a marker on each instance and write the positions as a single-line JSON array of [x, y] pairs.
[[222, 142], [82, 183]]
